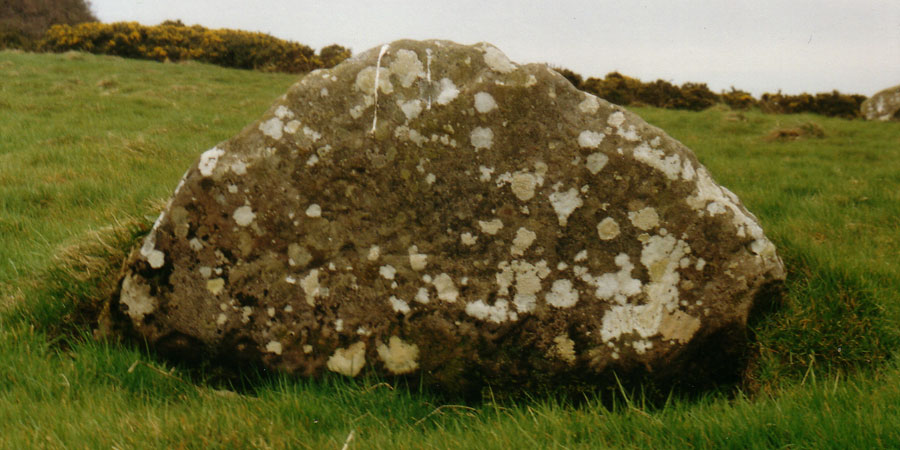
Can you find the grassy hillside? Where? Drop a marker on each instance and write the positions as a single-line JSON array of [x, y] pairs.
[[90, 145]]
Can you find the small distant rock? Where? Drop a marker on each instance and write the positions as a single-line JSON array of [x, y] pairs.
[[883, 106], [446, 214]]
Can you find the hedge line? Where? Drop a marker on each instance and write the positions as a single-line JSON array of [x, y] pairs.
[[173, 41], [623, 90]]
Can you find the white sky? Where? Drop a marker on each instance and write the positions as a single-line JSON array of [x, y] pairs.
[[756, 45]]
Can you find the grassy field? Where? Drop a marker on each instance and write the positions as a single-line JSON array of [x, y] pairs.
[[90, 146]]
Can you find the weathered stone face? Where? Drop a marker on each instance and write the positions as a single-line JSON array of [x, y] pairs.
[[433, 209], [884, 106]]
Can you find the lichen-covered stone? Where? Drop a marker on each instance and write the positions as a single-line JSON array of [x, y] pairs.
[[883, 106], [438, 211]]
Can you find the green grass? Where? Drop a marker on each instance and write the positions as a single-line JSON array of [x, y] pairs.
[[90, 145]]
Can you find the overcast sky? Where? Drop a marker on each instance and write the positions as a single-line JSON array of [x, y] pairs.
[[759, 45]]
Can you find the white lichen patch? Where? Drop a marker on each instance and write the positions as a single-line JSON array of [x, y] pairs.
[[418, 261], [239, 168], [486, 173], [422, 296], [528, 283], [496, 60], [522, 185], [274, 347], [524, 238], [661, 256], [445, 287], [243, 215], [630, 134], [208, 160], [713, 199], [641, 346], [366, 78], [608, 229], [215, 285], [355, 112], [490, 227], [564, 348], [155, 258], [616, 119], [136, 296], [589, 105], [314, 210], [411, 109], [617, 286], [481, 138], [221, 319], [399, 305], [562, 294], [407, 67], [311, 134], [596, 162], [468, 239], [581, 256], [669, 165], [448, 93], [283, 112], [348, 361], [565, 203], [272, 128], [398, 357], [644, 219], [590, 139], [374, 253], [387, 271], [499, 312], [484, 103], [246, 312], [311, 286]]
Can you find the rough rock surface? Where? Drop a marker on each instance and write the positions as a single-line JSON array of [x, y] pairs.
[[884, 106], [436, 210]]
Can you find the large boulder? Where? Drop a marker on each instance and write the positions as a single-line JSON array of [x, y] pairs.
[[435, 210], [884, 106]]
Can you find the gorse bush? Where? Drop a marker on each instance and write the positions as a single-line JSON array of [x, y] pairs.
[[738, 99], [173, 41], [832, 104], [624, 90]]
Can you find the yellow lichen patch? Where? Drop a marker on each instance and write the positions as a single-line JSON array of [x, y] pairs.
[[274, 347], [348, 361], [523, 185], [679, 326], [608, 229], [310, 285], [399, 357], [564, 348], [645, 219], [490, 227], [215, 285], [524, 239]]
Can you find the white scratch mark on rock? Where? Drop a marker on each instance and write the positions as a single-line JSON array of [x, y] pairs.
[[384, 49]]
